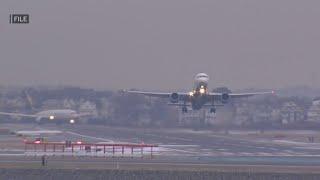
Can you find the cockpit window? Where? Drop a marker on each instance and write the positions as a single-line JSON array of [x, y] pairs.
[[202, 76]]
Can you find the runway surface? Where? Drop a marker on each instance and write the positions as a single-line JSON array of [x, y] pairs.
[[190, 143], [155, 164], [185, 146]]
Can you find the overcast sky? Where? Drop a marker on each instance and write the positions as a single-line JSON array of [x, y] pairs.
[[161, 44]]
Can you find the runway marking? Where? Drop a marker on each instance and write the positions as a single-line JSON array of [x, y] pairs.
[[310, 148], [297, 143], [258, 141], [220, 149], [178, 145], [169, 137], [179, 150], [91, 137]]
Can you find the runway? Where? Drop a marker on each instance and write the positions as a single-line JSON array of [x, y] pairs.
[[158, 164], [189, 143], [186, 146]]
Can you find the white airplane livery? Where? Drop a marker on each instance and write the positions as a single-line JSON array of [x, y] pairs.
[[61, 114], [37, 132], [199, 96], [53, 114]]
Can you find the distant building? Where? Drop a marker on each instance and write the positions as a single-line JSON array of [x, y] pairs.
[[314, 111], [88, 107], [248, 113], [13, 104], [69, 104], [290, 113], [225, 115], [243, 114], [106, 110], [52, 104], [262, 114], [276, 116]]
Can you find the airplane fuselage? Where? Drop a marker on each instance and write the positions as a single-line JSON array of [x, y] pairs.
[[198, 101], [58, 114], [198, 97]]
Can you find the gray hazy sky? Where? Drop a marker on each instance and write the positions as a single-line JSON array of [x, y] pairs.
[[161, 44]]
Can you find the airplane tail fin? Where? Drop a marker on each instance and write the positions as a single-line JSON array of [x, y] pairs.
[[29, 100]]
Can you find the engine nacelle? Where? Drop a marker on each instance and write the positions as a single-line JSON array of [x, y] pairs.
[[174, 98], [225, 98]]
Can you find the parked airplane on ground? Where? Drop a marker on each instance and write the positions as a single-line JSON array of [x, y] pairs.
[[199, 96]]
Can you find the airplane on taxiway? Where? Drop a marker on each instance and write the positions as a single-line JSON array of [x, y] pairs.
[[52, 114]]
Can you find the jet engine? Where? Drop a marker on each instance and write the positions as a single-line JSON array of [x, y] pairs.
[[225, 98], [174, 98]]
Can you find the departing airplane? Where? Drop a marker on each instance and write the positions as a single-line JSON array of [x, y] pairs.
[[199, 96], [61, 114]]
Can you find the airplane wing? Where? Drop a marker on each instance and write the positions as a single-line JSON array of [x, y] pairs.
[[155, 94], [184, 95], [18, 114], [241, 95]]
